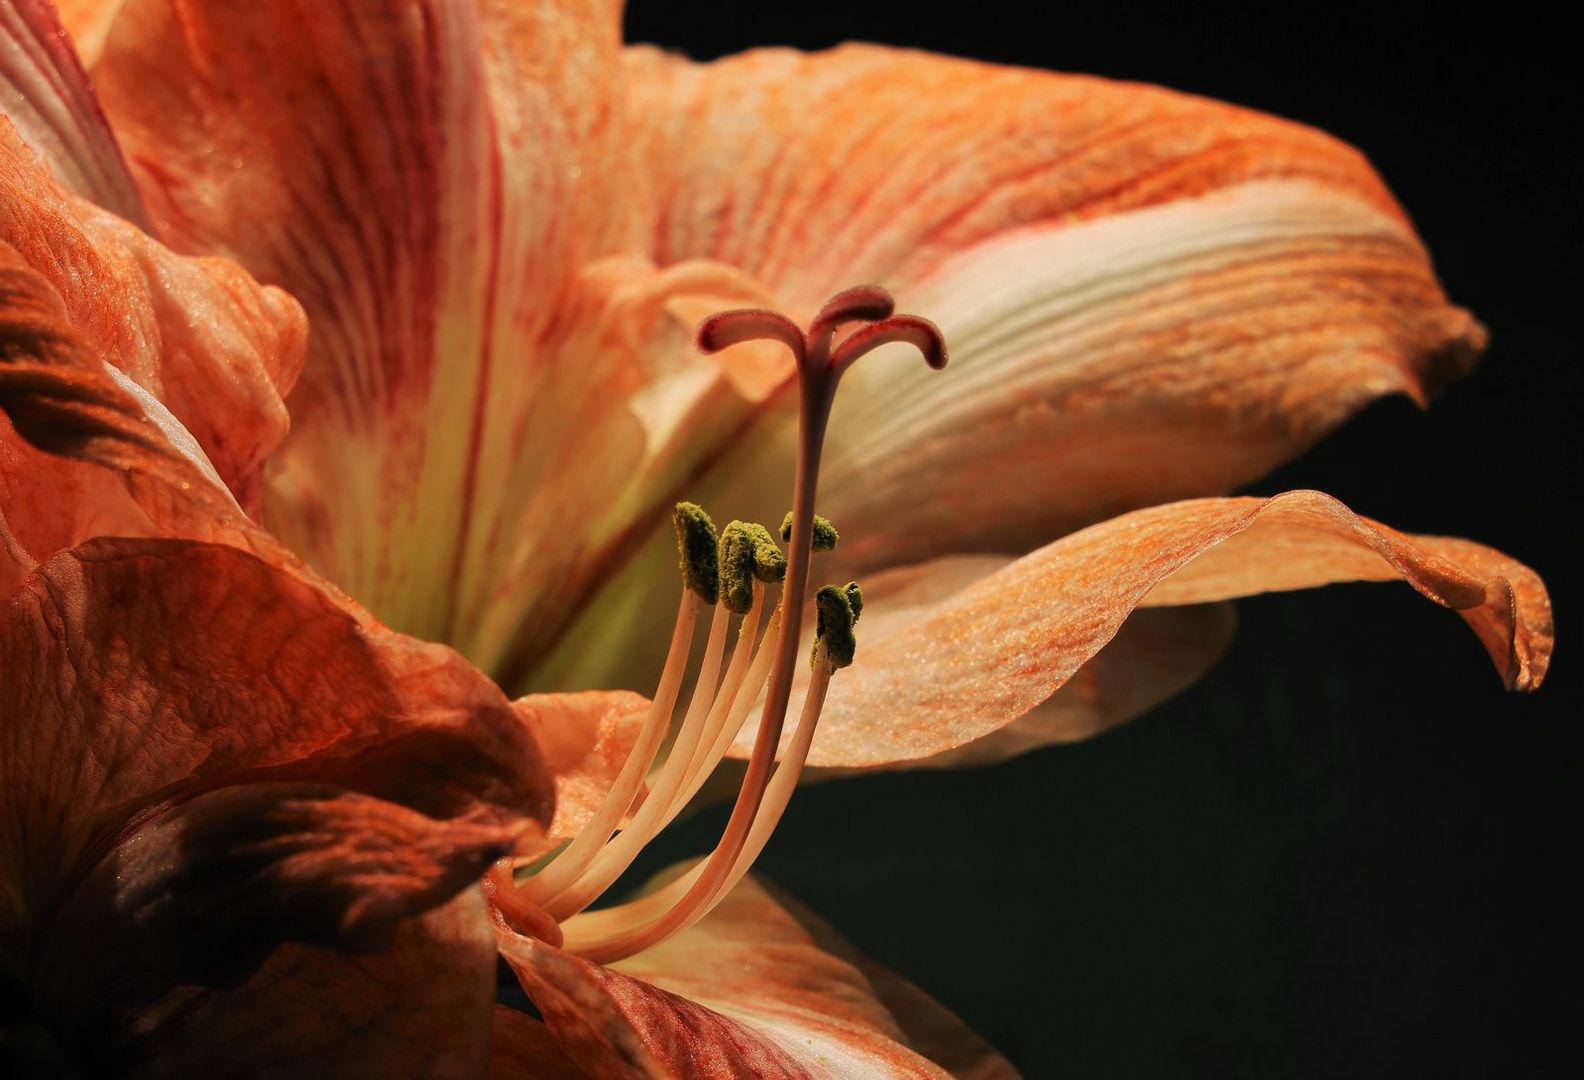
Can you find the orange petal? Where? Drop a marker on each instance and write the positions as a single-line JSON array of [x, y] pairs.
[[203, 893], [84, 451], [88, 23], [87, 292], [1154, 656], [585, 739], [1164, 353], [139, 673], [930, 1028], [46, 94], [1148, 296], [747, 991], [521, 1046], [430, 180], [418, 1009], [873, 164], [204, 884], [960, 667]]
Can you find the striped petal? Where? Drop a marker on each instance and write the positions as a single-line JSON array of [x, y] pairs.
[[1169, 352], [1148, 296], [496, 374], [46, 94]]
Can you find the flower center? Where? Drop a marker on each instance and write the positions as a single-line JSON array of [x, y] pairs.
[[731, 570]]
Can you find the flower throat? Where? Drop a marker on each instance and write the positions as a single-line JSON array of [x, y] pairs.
[[731, 569]]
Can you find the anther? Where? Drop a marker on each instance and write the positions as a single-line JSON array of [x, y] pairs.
[[696, 548], [855, 599], [825, 534], [833, 628], [747, 553]]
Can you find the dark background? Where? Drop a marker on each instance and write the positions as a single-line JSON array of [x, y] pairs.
[[1347, 852]]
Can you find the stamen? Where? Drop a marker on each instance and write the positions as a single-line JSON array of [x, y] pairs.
[[778, 794], [609, 862], [819, 374], [598, 936], [570, 863], [747, 557], [691, 524], [522, 915], [855, 600], [728, 717]]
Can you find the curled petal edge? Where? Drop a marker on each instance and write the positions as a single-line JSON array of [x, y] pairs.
[[971, 663]]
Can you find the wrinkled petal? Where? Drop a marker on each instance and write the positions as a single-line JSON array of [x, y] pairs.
[[204, 892], [142, 673], [585, 739], [962, 666], [747, 991], [210, 885], [97, 314], [419, 1009], [84, 451], [46, 94]]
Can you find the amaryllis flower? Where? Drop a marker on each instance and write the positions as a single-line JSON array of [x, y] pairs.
[[335, 335]]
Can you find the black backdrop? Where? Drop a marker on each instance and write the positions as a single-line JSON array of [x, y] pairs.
[[1347, 851]]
